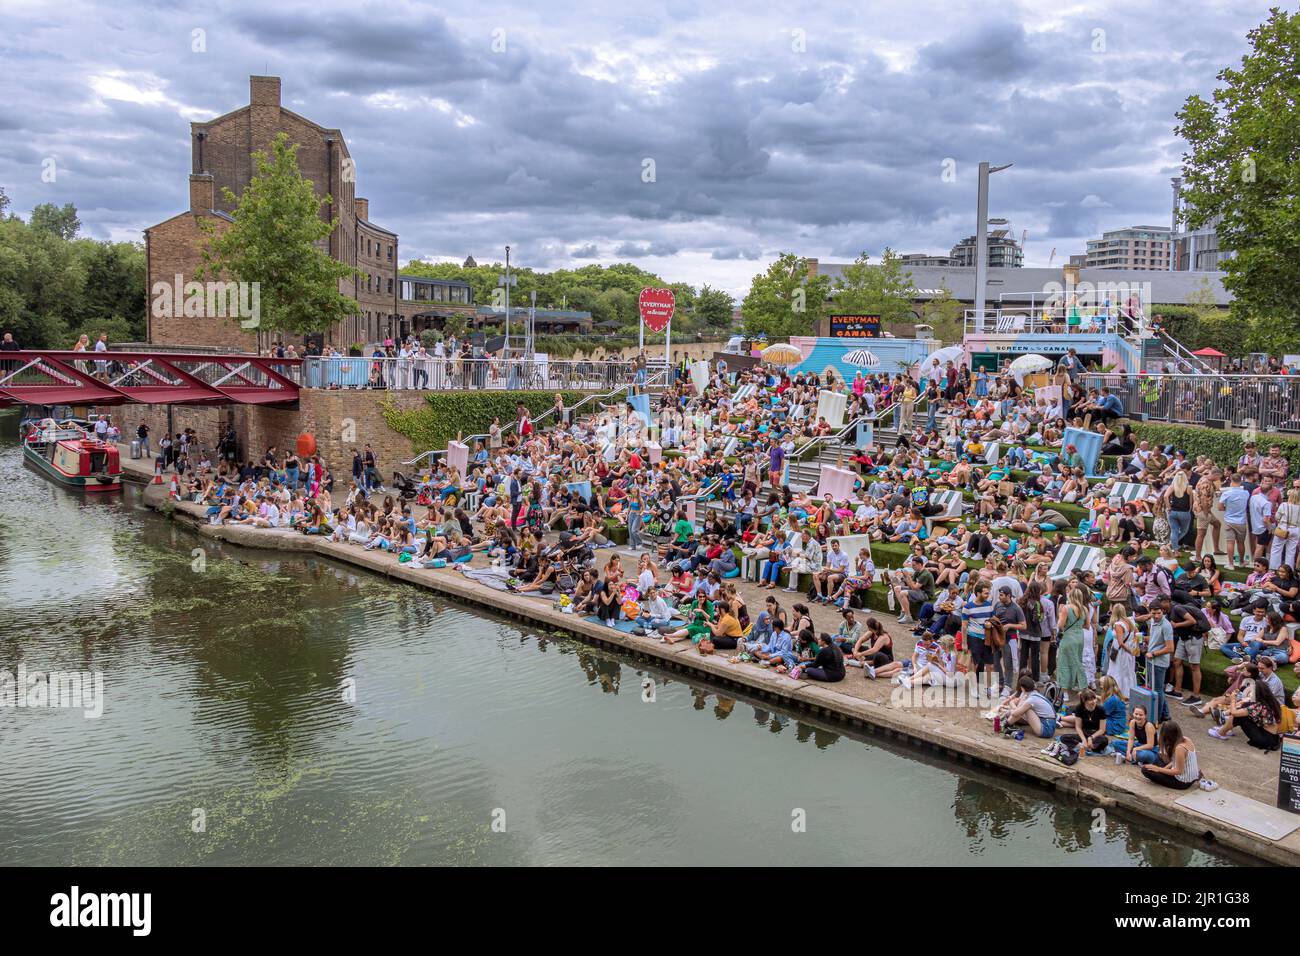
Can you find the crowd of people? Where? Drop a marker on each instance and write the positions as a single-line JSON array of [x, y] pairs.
[[1094, 658]]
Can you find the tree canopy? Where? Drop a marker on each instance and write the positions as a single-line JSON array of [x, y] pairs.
[[53, 289], [277, 241], [886, 290], [1240, 174], [785, 300]]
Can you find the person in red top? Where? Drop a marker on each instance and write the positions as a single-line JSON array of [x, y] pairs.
[[525, 423]]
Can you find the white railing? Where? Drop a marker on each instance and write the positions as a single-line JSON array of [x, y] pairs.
[[438, 374]]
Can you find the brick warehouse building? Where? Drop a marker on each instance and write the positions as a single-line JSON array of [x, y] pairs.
[[222, 151]]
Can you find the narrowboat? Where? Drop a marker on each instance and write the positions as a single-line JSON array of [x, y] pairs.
[[72, 455]]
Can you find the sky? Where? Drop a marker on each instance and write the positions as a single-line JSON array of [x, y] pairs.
[[699, 141]]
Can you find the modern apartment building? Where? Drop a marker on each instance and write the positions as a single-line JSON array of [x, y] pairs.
[[1135, 248], [1004, 251]]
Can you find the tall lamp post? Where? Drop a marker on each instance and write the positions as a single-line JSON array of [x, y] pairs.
[[981, 239], [507, 281]]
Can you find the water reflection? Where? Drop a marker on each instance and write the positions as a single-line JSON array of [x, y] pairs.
[[318, 715]]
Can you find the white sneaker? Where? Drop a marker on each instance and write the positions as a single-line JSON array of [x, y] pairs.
[[871, 671], [1208, 785]]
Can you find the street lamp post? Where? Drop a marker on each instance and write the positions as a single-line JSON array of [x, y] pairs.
[[505, 281], [981, 239]]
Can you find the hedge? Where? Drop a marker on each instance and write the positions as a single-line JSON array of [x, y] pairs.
[[1222, 446], [465, 413]]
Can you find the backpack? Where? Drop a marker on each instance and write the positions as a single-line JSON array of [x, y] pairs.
[[1055, 696]]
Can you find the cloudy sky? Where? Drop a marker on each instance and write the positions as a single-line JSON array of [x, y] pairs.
[[697, 140]]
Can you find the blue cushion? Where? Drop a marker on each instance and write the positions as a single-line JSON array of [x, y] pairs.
[[733, 573], [1047, 526], [464, 560]]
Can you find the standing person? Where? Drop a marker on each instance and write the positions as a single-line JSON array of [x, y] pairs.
[[1122, 650], [1204, 497], [516, 497], [1035, 630], [359, 470], [1072, 618], [1286, 532], [7, 344], [101, 428], [1012, 617], [1236, 502], [372, 470], [1180, 510], [142, 433], [101, 345], [975, 614], [1160, 650]]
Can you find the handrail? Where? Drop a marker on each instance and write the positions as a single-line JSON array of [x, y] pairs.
[[550, 411], [1180, 352]]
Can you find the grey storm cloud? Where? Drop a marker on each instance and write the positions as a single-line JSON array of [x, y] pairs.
[[536, 126]]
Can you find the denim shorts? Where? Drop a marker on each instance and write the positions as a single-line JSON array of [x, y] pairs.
[[1049, 727]]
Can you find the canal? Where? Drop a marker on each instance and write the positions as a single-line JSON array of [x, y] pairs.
[[286, 710]]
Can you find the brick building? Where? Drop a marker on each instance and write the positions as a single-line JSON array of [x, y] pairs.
[[222, 158]]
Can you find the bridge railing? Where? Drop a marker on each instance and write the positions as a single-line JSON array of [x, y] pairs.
[[1266, 403]]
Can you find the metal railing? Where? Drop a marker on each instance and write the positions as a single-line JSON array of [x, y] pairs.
[[1058, 319], [653, 380], [1267, 403], [436, 374]]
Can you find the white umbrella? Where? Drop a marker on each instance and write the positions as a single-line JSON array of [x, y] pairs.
[[949, 353], [1028, 364]]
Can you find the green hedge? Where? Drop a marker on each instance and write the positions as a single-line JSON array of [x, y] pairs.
[[1222, 446], [466, 413]]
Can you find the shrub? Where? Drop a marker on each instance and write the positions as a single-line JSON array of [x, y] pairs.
[[1220, 445], [467, 413]]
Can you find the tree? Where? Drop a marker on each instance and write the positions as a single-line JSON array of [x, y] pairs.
[[4, 202], [1240, 173], [943, 314], [714, 308], [57, 221], [885, 290], [785, 300], [277, 241]]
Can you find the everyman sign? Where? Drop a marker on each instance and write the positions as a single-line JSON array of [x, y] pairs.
[[855, 326], [656, 307]]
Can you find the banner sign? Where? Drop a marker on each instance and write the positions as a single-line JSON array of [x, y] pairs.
[[855, 326], [656, 307]]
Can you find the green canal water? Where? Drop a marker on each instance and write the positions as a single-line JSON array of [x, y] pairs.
[[284, 710]]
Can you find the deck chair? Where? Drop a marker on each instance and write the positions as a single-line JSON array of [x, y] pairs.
[[951, 502], [1075, 557]]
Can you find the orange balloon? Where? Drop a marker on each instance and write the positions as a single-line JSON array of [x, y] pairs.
[[306, 445]]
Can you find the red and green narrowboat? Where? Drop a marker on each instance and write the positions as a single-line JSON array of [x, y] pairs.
[[72, 455]]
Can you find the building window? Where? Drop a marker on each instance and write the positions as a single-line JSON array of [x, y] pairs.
[[390, 252], [390, 286]]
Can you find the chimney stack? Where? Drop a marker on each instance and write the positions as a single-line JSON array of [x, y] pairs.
[[362, 208], [264, 91], [203, 192]]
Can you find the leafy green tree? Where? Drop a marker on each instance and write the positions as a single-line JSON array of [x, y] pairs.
[[886, 290], [1240, 172], [4, 203], [57, 221], [943, 314], [277, 241], [714, 308], [785, 300]]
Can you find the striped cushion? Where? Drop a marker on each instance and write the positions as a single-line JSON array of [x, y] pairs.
[[1075, 557]]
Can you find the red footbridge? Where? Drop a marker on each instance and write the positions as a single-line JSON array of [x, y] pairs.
[[38, 377]]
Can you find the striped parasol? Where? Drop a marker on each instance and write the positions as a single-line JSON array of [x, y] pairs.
[[863, 358]]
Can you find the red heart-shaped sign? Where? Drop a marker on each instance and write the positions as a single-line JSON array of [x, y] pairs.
[[656, 307]]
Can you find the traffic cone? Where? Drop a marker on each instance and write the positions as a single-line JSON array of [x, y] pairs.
[[173, 489], [157, 471]]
